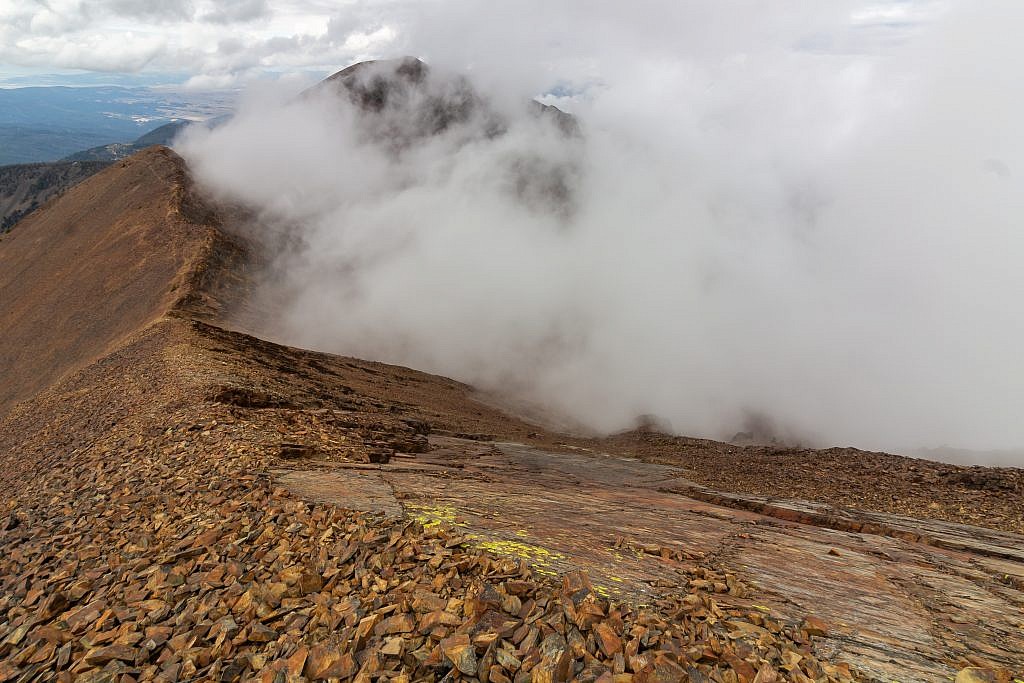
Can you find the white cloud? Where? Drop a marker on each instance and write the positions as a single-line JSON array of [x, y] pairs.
[[377, 39], [550, 37], [91, 51], [236, 11], [158, 10], [200, 38], [211, 82], [827, 238]]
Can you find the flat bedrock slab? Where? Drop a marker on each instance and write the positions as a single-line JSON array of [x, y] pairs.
[[903, 599]]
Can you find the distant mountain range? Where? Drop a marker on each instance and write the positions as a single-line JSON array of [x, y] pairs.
[[49, 123], [54, 137]]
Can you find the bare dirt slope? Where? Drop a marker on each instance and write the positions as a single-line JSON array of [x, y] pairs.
[[179, 501]]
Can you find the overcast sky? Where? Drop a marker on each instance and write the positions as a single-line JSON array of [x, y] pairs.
[[228, 42]]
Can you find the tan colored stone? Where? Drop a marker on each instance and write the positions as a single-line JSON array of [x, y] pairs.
[[259, 633], [310, 582], [393, 647], [555, 659], [398, 623], [297, 661], [974, 674], [433, 619], [320, 660]]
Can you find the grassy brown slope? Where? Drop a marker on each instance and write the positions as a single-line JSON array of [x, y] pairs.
[[115, 253]]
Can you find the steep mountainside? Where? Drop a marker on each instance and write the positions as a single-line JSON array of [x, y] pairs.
[[146, 535], [180, 501], [26, 187]]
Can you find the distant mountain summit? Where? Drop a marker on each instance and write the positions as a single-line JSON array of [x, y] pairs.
[[407, 100], [404, 103]]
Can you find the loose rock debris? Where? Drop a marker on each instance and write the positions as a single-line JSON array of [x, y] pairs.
[[894, 606], [152, 544], [236, 580]]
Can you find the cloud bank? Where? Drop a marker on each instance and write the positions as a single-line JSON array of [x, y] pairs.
[[225, 43], [800, 219]]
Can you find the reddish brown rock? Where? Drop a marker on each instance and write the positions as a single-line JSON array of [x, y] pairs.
[[459, 651], [555, 662], [259, 633], [609, 641]]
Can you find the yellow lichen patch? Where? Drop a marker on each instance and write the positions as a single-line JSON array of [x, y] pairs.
[[539, 557], [609, 590], [434, 515]]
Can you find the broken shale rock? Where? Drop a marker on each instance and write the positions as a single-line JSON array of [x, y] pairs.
[[177, 558]]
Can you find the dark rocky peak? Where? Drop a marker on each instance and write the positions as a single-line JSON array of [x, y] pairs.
[[564, 121], [372, 83], [401, 103], [404, 100]]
